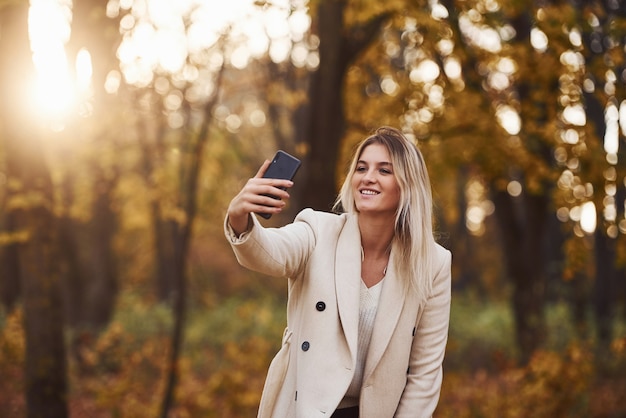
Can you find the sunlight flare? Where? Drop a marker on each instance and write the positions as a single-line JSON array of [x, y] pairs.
[[49, 31]]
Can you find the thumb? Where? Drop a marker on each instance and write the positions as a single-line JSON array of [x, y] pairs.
[[262, 169]]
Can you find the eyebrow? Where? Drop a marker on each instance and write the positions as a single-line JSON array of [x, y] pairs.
[[382, 163]]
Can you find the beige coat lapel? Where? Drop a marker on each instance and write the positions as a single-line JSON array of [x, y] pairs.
[[392, 300], [348, 280]]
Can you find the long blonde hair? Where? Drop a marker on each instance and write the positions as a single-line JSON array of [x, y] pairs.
[[413, 240]]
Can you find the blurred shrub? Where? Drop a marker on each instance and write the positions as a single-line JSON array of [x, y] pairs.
[[228, 350], [232, 388], [222, 369], [551, 385], [120, 375], [12, 345], [229, 343], [568, 378], [481, 334]]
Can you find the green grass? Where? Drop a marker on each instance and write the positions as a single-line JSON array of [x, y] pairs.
[[482, 332]]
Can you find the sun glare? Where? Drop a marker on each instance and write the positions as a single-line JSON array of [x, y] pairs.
[[163, 36], [49, 30], [159, 36], [84, 71]]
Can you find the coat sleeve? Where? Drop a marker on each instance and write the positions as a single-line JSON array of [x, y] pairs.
[[425, 373], [279, 252]]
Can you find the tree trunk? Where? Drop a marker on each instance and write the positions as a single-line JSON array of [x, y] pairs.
[[180, 236], [326, 125], [74, 282], [9, 266], [32, 210], [178, 265], [166, 241], [604, 287], [604, 247], [521, 223], [461, 245], [580, 304], [103, 288], [46, 370], [91, 276]]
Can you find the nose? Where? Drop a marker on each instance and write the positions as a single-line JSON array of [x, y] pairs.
[[369, 176]]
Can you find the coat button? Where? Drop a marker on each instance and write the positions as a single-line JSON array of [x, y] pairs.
[[320, 306], [305, 346]]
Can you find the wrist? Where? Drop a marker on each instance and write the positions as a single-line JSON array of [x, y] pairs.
[[240, 224]]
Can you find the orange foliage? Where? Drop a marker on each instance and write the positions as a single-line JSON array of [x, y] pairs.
[[119, 374], [553, 384], [233, 388], [127, 378], [12, 345]]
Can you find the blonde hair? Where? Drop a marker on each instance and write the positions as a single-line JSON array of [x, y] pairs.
[[413, 240]]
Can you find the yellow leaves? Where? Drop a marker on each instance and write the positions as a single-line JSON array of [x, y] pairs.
[[553, 384], [27, 200], [515, 8], [619, 346], [12, 349], [125, 370], [170, 212], [556, 382], [19, 237], [124, 375], [578, 258], [360, 11], [12, 340], [279, 92]]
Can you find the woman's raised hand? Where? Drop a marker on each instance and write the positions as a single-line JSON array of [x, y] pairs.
[[253, 197]]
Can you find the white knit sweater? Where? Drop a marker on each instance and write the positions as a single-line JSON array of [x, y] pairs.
[[368, 306]]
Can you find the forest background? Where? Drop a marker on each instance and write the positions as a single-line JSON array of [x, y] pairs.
[[126, 126]]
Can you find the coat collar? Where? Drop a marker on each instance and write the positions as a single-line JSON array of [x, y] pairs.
[[348, 281], [347, 285]]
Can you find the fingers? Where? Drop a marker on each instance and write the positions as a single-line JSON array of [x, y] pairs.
[[280, 183], [266, 193], [259, 195]]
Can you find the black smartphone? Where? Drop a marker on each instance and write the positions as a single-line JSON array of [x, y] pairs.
[[283, 166]]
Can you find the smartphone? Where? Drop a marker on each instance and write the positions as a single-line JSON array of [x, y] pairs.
[[283, 166]]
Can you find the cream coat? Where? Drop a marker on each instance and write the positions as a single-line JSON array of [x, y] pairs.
[[320, 255]]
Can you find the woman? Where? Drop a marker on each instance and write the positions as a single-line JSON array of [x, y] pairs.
[[369, 289]]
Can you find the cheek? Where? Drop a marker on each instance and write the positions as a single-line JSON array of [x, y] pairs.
[[355, 181], [398, 193]]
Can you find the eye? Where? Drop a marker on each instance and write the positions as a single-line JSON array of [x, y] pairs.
[[360, 168], [386, 171]]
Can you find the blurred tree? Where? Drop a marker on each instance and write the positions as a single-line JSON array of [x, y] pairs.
[[30, 207], [91, 274], [173, 233], [602, 27], [523, 216], [340, 42], [173, 129]]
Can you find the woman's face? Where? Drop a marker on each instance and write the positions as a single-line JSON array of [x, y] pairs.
[[374, 184]]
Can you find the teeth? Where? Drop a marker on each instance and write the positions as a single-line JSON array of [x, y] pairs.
[[369, 192]]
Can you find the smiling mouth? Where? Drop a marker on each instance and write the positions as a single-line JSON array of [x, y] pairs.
[[369, 192]]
